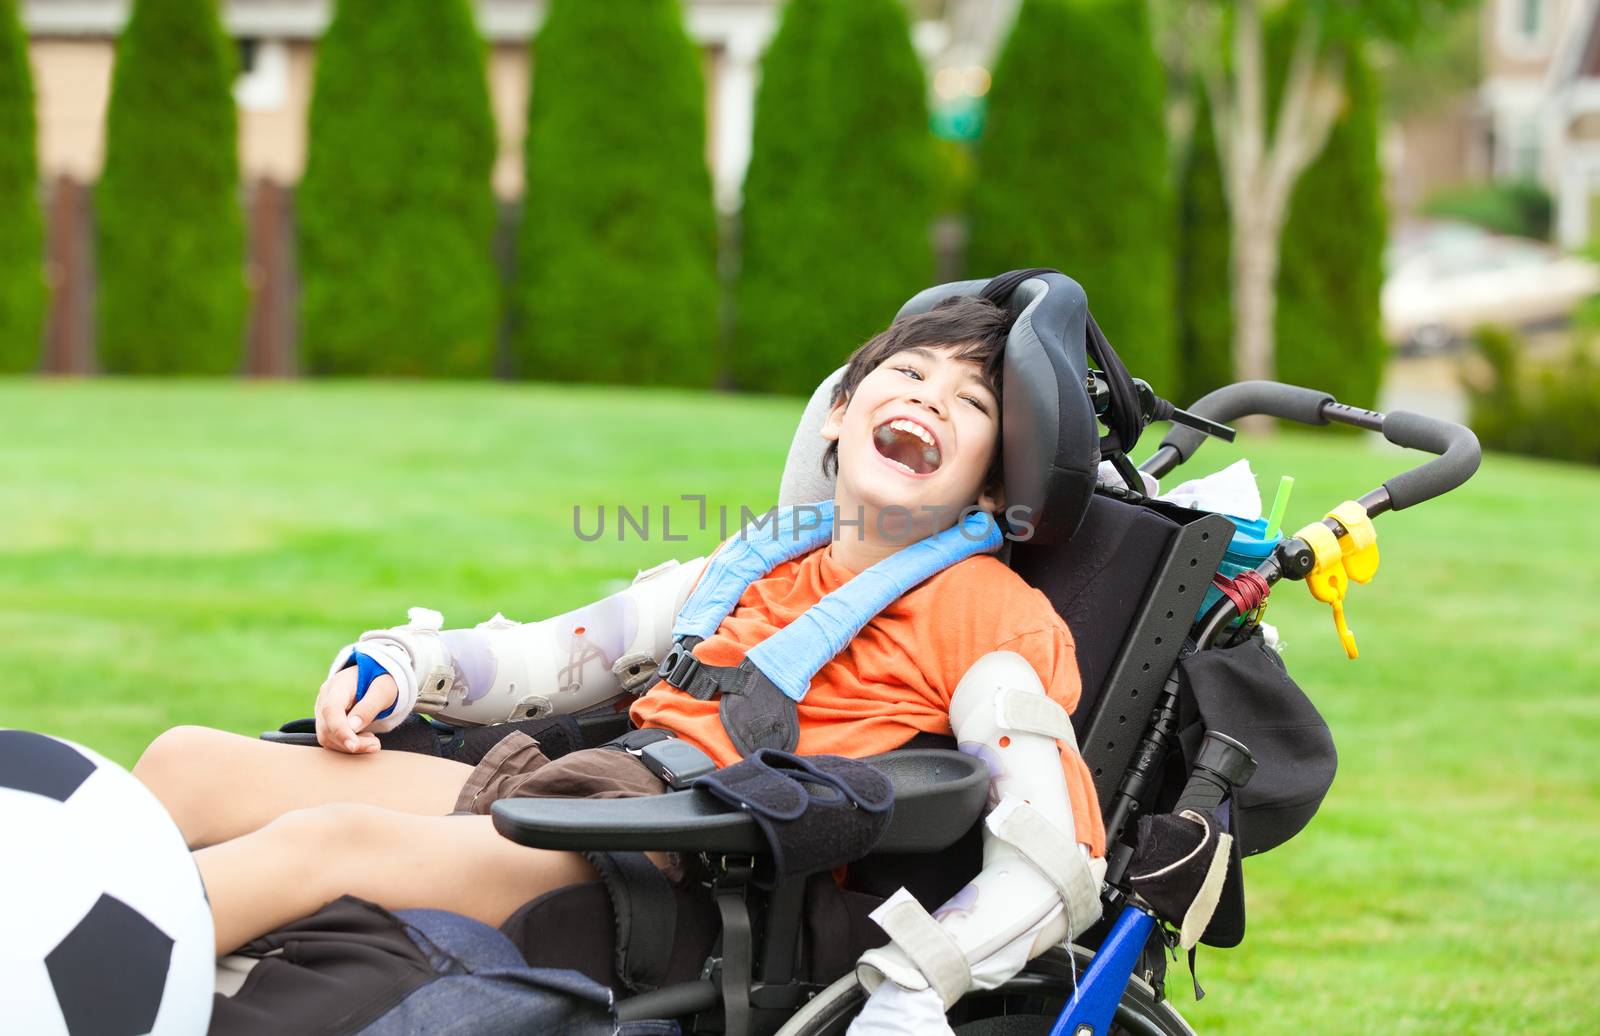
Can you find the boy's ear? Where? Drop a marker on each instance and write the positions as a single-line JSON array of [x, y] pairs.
[[834, 423], [993, 499]]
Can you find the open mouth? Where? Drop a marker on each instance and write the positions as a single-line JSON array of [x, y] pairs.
[[908, 445]]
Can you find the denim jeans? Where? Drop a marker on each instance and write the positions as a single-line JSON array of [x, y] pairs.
[[485, 989]]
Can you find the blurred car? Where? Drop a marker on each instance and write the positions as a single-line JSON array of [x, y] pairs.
[[1445, 278]]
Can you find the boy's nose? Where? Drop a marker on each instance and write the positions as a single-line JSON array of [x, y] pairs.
[[929, 403]]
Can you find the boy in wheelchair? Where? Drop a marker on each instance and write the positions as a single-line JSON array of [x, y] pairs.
[[960, 645]]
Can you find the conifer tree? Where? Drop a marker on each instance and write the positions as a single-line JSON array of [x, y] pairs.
[[21, 261], [1204, 281], [839, 194], [616, 258], [171, 240], [1329, 324], [1072, 170], [396, 211]]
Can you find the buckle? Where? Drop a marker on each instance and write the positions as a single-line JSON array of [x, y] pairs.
[[679, 667]]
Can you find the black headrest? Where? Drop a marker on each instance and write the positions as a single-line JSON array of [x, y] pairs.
[[1048, 430]]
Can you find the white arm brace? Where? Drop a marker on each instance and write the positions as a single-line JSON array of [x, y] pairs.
[[1038, 887], [502, 670]]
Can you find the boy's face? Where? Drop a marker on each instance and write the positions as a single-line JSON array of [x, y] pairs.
[[919, 432]]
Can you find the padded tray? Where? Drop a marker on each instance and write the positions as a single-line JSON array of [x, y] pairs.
[[938, 796]]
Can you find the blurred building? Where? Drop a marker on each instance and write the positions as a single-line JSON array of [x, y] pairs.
[[1540, 100], [72, 45]]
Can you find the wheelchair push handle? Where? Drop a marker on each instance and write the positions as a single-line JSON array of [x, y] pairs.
[[1456, 446], [1241, 399], [1222, 767], [1458, 457]]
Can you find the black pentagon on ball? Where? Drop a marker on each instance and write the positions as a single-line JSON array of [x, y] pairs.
[[110, 971], [42, 765]]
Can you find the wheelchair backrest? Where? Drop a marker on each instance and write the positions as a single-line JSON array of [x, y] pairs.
[[1127, 577], [1128, 585]]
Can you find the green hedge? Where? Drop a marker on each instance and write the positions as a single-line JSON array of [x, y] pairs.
[[1548, 413], [1204, 280], [171, 240], [1329, 329], [22, 292], [617, 273], [396, 212], [1524, 209], [840, 192], [1073, 170]]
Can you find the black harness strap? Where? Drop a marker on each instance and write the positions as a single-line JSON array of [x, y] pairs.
[[645, 913], [755, 713]]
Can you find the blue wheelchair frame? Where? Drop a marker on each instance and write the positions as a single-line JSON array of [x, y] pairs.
[[1094, 1001]]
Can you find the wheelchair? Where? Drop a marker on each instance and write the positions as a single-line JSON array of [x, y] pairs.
[[1129, 574]]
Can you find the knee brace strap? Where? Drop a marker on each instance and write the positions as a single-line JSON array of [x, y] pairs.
[[1028, 712], [933, 951], [1055, 856]]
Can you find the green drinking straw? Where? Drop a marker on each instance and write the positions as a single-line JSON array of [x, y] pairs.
[[1280, 504]]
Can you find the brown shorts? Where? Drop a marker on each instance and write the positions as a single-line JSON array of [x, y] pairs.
[[517, 769]]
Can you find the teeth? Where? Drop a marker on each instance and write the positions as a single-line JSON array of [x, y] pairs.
[[902, 425]]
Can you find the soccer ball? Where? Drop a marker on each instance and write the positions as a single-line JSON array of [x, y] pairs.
[[105, 927]]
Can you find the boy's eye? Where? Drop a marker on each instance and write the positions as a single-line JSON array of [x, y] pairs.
[[975, 401], [910, 372]]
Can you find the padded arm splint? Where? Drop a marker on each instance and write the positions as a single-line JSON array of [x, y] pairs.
[[1038, 886], [503, 670]]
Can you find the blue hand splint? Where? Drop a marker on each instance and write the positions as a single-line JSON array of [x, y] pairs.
[[368, 669]]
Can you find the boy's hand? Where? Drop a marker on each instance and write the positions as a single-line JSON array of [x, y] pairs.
[[341, 719]]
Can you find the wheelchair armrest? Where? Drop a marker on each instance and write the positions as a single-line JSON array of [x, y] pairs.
[[938, 796]]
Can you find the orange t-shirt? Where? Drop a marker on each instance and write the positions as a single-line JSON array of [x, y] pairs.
[[896, 677]]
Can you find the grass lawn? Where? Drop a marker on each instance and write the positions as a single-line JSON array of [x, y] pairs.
[[195, 551]]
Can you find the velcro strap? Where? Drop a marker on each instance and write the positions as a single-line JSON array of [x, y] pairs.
[[1054, 854], [933, 950], [817, 813], [1030, 712]]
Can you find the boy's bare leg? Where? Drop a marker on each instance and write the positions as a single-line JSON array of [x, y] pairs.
[[294, 865], [219, 786]]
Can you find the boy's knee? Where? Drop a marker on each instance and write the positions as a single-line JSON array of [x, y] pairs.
[[176, 743], [182, 767], [335, 827], [171, 757]]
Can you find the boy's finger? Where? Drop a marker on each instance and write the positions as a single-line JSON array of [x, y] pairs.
[[336, 729], [381, 694], [333, 716], [366, 744]]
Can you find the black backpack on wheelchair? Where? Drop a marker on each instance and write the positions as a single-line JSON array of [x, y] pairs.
[[1128, 574]]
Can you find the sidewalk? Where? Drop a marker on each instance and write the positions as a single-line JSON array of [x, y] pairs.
[[1428, 385]]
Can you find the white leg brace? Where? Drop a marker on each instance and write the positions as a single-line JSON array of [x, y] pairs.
[[1038, 886], [503, 670]]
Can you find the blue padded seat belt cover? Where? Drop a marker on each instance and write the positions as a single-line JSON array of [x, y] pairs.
[[792, 656], [747, 557]]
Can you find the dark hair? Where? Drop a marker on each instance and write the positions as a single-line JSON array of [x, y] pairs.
[[976, 327]]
